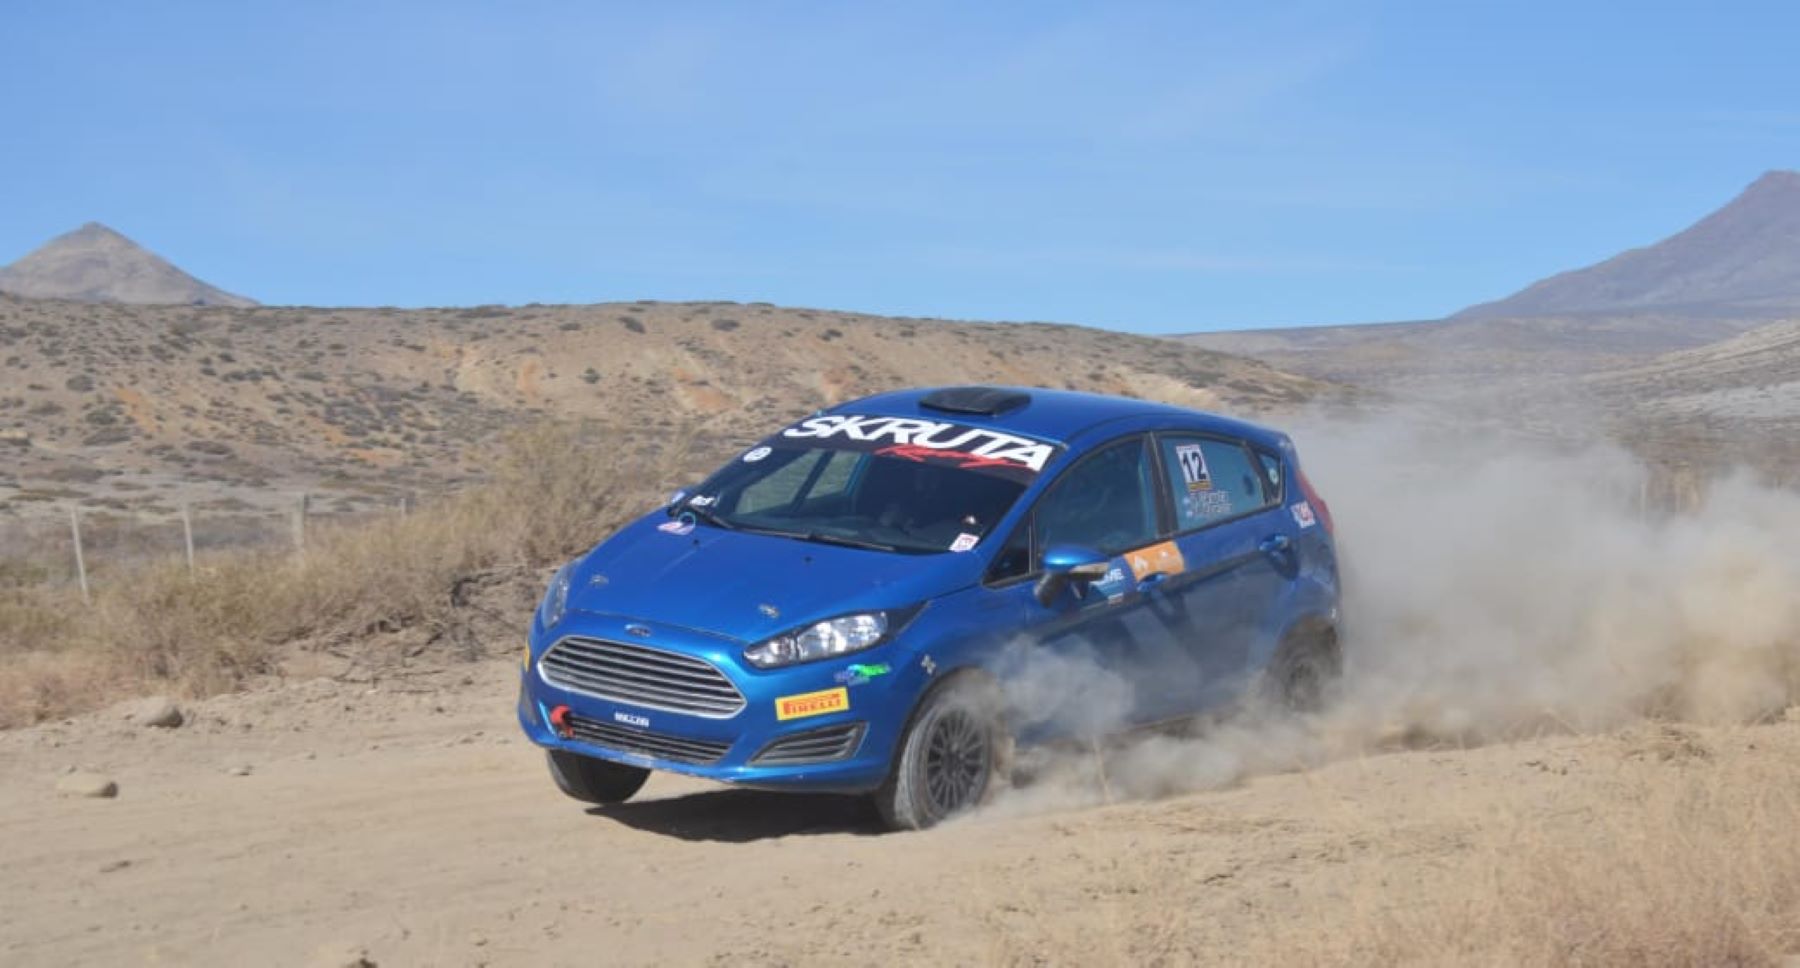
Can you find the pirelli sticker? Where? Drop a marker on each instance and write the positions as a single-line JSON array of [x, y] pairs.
[[812, 704]]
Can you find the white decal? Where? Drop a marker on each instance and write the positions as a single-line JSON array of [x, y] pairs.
[[677, 526], [703, 500], [928, 435], [641, 722], [1193, 466], [965, 541], [757, 454], [1207, 504], [1303, 515]]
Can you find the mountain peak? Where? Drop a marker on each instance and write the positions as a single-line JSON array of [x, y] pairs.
[[1744, 256], [1778, 179], [95, 263]]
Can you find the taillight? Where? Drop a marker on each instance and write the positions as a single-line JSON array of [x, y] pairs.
[[1320, 510]]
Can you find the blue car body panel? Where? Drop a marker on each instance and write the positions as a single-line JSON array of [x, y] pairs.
[[1187, 640]]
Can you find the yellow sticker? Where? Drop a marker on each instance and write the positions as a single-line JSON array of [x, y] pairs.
[[1157, 559], [812, 704]]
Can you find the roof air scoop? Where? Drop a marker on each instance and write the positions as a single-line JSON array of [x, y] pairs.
[[986, 401]]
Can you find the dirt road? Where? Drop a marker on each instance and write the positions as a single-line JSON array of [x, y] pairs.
[[308, 823]]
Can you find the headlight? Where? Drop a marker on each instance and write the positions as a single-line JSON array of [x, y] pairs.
[[556, 599], [832, 637]]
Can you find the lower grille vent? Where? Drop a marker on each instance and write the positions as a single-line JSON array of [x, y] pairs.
[[817, 746], [660, 745]]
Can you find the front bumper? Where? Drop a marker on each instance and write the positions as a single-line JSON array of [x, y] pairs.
[[857, 730]]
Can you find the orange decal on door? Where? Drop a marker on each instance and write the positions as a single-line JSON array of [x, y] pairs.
[[1163, 558]]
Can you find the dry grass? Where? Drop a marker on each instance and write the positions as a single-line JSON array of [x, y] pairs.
[[1683, 864], [1657, 845], [553, 495]]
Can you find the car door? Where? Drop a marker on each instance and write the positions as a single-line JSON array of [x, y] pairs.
[[1104, 655], [1236, 545]]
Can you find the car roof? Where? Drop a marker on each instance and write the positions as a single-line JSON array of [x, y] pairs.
[[1054, 415]]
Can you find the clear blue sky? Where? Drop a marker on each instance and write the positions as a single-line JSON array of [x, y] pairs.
[[1154, 167]]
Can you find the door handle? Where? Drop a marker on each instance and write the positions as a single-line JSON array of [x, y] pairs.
[[1275, 544], [1150, 582]]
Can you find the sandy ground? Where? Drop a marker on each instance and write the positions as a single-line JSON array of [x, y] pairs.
[[412, 824]]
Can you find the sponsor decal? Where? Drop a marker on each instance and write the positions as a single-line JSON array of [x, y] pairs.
[[1207, 504], [907, 438], [1303, 515], [630, 719], [965, 541], [928, 665], [681, 525], [703, 500], [1163, 558], [860, 672], [812, 704], [1192, 459], [1112, 584], [757, 453]]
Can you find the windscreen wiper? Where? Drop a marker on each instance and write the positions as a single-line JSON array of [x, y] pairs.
[[702, 512], [837, 539]]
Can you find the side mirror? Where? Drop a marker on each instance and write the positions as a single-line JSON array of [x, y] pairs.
[[676, 498], [1066, 565]]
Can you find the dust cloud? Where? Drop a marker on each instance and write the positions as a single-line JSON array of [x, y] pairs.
[[1493, 588]]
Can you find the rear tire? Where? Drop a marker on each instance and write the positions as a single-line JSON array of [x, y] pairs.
[[594, 781], [953, 756], [1304, 671]]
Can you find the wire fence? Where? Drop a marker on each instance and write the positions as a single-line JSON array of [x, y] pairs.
[[88, 547]]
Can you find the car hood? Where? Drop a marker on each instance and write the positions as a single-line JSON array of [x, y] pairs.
[[728, 582]]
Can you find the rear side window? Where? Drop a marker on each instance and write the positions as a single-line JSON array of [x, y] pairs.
[[1212, 480], [1272, 473]]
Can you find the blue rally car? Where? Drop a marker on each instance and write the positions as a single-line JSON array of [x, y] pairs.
[[841, 606]]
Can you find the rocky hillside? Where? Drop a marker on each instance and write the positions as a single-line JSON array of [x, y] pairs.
[[134, 407], [96, 264]]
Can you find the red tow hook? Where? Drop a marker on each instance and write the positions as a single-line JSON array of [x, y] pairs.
[[559, 721]]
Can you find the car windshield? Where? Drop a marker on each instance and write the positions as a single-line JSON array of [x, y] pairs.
[[888, 484]]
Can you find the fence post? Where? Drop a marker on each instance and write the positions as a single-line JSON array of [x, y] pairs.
[[80, 562], [187, 536], [300, 524]]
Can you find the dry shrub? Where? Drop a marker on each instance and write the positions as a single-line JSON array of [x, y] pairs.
[[554, 492]]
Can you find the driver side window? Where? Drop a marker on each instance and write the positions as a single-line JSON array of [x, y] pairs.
[[1106, 503]]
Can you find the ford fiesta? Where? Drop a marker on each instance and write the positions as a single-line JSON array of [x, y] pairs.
[[840, 607]]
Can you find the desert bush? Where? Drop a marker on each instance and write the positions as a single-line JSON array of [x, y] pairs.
[[555, 492]]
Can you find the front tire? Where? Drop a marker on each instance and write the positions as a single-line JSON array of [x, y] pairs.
[[950, 760], [594, 781]]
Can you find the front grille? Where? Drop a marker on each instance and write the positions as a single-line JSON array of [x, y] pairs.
[[698, 751], [816, 746], [641, 676]]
